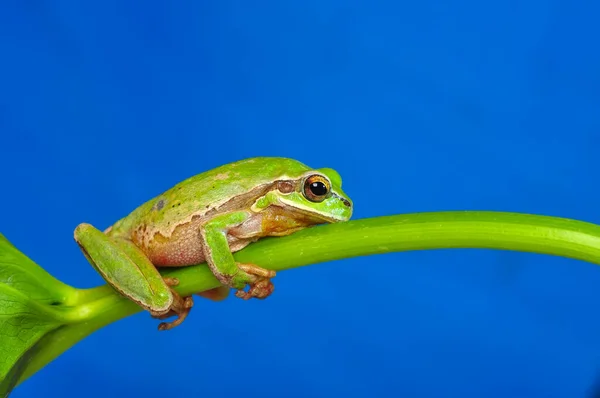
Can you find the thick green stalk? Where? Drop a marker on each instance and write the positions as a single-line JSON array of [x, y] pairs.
[[97, 307]]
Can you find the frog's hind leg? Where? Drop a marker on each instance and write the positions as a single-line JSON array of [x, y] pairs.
[[129, 271], [180, 306]]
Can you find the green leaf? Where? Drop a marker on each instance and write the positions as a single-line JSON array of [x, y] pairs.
[[20, 273], [16, 371], [30, 308]]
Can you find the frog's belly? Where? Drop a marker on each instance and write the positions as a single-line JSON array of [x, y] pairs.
[[181, 251], [175, 253]]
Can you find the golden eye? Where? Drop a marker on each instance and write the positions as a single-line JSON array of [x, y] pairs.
[[316, 188]]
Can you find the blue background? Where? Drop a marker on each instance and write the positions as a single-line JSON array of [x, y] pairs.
[[421, 106]]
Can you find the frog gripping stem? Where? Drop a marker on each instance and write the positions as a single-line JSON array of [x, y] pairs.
[[261, 287], [181, 307]]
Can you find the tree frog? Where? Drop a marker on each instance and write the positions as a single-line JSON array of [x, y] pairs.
[[206, 218]]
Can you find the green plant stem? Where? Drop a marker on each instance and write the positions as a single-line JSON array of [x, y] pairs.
[[100, 306]]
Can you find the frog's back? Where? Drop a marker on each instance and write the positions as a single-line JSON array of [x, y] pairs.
[[201, 193]]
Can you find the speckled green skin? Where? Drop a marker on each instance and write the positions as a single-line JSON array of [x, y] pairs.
[[206, 218], [200, 193]]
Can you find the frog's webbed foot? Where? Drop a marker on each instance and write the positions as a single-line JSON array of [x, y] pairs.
[[258, 279], [181, 307]]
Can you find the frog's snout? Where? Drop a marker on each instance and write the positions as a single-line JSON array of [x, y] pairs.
[[345, 211]]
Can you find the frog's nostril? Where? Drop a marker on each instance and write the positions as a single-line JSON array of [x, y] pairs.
[[345, 201]]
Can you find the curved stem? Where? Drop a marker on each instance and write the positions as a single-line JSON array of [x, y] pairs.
[[439, 230], [469, 229]]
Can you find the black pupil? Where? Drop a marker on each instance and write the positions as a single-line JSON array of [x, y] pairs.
[[318, 188]]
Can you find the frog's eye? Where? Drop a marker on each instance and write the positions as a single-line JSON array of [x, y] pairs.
[[316, 188]]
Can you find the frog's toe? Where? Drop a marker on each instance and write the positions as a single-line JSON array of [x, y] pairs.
[[255, 270], [188, 302], [260, 289], [170, 281]]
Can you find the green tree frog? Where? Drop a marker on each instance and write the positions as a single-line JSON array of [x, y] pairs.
[[206, 218]]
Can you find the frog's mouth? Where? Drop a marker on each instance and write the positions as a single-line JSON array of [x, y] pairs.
[[311, 215], [298, 218]]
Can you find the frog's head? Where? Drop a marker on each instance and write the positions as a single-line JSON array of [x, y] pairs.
[[317, 194]]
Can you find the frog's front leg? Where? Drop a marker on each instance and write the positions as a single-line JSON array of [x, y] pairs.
[[129, 271], [222, 264]]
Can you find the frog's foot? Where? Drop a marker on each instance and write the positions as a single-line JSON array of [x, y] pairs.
[[258, 279], [181, 307]]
